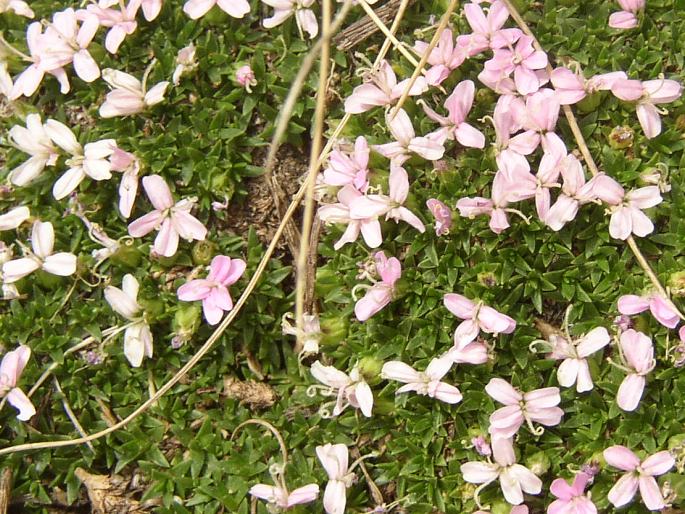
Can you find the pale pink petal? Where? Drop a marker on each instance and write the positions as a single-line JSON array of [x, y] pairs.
[[444, 392], [664, 311], [236, 8], [479, 472], [305, 494], [166, 242], [584, 378], [329, 375], [648, 115], [18, 269], [530, 483], [568, 372], [503, 392], [503, 451], [221, 298], [187, 226], [85, 66], [622, 458], [562, 490], [158, 192], [121, 302], [145, 224], [459, 305], [620, 224], [623, 20], [630, 392], [42, 238], [194, 290], [469, 136], [212, 312], [594, 340], [466, 332], [651, 493], [627, 90], [364, 397], [640, 223], [624, 490], [658, 464], [397, 370], [18, 399], [632, 304], [68, 182], [373, 301], [365, 97], [371, 232], [494, 322], [198, 8], [62, 264]]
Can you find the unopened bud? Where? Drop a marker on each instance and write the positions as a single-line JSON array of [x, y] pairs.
[[202, 252], [538, 463], [621, 137]]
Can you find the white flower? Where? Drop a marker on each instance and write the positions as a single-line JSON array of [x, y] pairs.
[[89, 160], [351, 389], [128, 95], [35, 141], [42, 241], [137, 338]]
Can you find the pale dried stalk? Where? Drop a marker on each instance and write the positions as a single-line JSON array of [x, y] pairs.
[[387, 33], [286, 111], [315, 151], [70, 413], [592, 166], [424, 58]]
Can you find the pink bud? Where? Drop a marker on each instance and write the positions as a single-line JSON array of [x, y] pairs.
[[246, 77], [442, 214]]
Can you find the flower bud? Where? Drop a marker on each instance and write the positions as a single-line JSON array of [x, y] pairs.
[[153, 307], [186, 321], [680, 122], [487, 278], [127, 255], [621, 137], [246, 77], [333, 328], [370, 369], [677, 283], [202, 252]]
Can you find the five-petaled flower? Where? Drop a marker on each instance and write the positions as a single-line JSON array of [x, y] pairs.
[[213, 290], [381, 293], [476, 317]]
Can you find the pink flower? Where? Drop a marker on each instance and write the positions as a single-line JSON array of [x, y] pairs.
[[381, 293], [573, 87], [648, 94], [42, 242], [575, 368], [481, 446], [477, 317], [628, 217], [572, 499], [334, 459], [28, 81], [574, 193], [281, 498], [351, 389], [172, 220], [538, 115], [11, 368], [638, 354], [129, 165], [443, 58], [392, 205], [514, 478], [458, 105], [539, 405], [69, 43], [442, 215], [381, 88], [186, 62], [627, 18], [121, 22], [246, 78], [349, 168], [369, 227], [661, 308], [523, 61], [488, 31], [19, 7], [475, 352], [426, 383], [640, 475], [213, 291], [429, 147], [198, 8]]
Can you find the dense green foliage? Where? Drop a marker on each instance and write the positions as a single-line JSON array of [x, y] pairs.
[[205, 141]]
